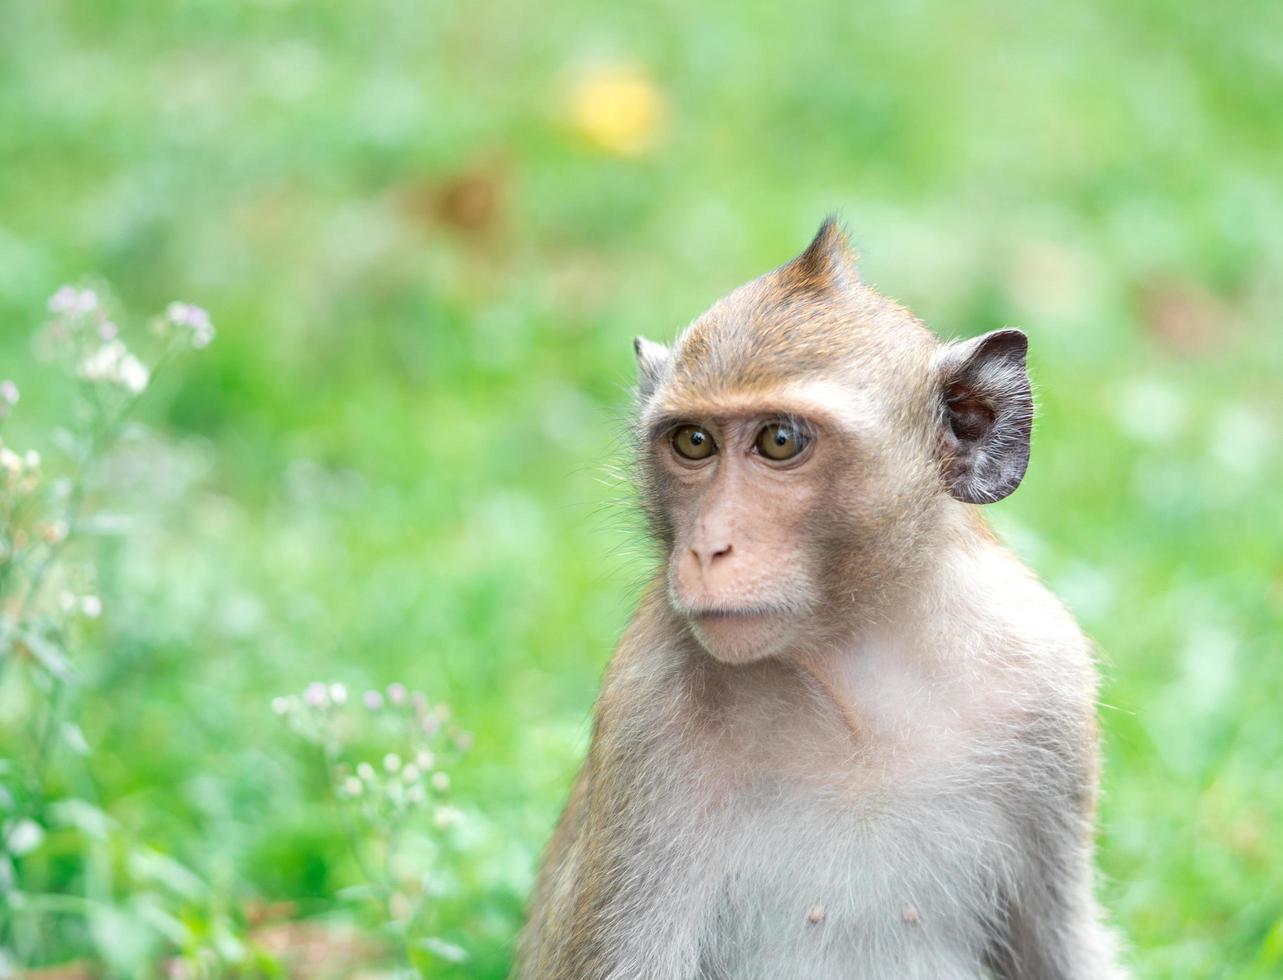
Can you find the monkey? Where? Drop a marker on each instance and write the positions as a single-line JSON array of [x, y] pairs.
[[847, 733]]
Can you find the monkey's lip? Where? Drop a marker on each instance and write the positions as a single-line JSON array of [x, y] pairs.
[[724, 612]]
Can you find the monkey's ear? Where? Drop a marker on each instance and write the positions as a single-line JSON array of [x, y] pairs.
[[652, 358], [988, 415]]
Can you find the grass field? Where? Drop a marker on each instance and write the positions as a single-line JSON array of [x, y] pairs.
[[426, 234]]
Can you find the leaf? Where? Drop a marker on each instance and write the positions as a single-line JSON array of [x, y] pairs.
[[229, 947], [48, 654], [358, 893], [153, 913], [442, 949], [83, 816], [152, 866], [121, 939], [75, 738]]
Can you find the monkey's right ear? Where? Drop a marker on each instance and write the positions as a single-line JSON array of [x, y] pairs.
[[988, 414], [652, 358]]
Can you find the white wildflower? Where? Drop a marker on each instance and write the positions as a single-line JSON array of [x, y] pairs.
[[415, 794], [365, 771], [31, 459], [132, 374], [446, 816], [440, 782], [373, 700], [338, 693], [280, 707], [316, 695], [70, 301], [91, 606], [410, 773], [9, 393], [391, 762], [353, 786], [64, 300], [425, 759], [113, 363], [396, 693], [193, 319], [103, 363]]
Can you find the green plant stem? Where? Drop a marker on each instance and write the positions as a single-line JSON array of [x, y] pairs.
[[382, 883], [102, 436]]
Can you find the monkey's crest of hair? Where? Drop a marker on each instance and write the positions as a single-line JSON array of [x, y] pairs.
[[811, 317]]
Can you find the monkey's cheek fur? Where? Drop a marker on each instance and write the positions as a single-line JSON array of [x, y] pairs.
[[740, 639]]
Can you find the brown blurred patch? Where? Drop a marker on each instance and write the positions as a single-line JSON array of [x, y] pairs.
[[306, 950], [260, 913], [317, 950], [1183, 316], [471, 201]]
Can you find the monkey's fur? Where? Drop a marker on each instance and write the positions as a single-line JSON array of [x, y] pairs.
[[847, 734]]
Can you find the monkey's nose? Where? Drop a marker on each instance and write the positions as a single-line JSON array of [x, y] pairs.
[[706, 555]]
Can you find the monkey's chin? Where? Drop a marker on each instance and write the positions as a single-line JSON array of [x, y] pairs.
[[740, 638]]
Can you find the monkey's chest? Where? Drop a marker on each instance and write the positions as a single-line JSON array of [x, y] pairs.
[[803, 884], [827, 854]]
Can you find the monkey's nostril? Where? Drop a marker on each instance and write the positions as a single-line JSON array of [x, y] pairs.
[[704, 557]]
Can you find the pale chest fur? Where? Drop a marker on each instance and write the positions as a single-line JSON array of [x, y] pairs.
[[820, 848]]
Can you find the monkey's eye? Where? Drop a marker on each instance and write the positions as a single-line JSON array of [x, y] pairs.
[[692, 442], [780, 441]]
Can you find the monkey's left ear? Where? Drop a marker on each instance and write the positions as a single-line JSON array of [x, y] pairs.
[[988, 414], [652, 358]]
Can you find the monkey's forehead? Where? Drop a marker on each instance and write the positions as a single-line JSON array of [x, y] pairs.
[[825, 401], [771, 331], [733, 363]]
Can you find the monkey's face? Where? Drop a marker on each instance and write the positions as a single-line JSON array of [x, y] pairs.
[[738, 492], [774, 515], [804, 440]]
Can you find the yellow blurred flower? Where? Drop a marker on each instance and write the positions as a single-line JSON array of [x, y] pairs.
[[618, 108]]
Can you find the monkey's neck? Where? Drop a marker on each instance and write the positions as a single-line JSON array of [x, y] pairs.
[[822, 672], [899, 640]]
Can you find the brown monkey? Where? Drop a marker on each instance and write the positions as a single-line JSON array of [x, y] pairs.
[[847, 733]]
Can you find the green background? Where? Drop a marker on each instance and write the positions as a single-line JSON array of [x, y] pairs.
[[404, 456]]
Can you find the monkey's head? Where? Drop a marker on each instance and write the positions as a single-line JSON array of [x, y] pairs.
[[807, 443]]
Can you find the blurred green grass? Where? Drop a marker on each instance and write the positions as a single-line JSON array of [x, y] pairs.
[[399, 459]]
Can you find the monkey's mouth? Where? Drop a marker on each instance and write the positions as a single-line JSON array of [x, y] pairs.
[[745, 613], [728, 613]]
